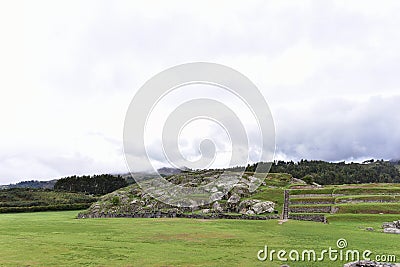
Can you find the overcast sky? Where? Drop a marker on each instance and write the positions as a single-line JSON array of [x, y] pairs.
[[329, 71]]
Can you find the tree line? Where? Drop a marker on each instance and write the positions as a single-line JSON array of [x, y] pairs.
[[96, 184], [324, 173]]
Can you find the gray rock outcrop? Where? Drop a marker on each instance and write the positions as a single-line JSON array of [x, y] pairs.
[[391, 227], [132, 201], [234, 199], [255, 206], [370, 264]]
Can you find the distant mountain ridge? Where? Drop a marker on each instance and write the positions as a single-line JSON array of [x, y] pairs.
[[169, 171], [31, 184]]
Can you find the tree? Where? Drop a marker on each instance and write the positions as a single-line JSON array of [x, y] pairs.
[[97, 184], [309, 179]]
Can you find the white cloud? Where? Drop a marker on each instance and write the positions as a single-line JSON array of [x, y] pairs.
[[69, 70], [339, 129]]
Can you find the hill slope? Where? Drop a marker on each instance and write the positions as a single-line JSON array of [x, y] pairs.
[[132, 201], [28, 199]]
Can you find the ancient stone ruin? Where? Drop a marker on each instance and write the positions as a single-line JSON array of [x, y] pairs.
[[133, 202]]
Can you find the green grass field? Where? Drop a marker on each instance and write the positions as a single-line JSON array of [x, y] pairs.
[[58, 239]]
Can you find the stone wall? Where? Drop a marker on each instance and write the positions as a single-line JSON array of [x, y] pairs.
[[285, 211], [309, 202], [316, 209], [301, 217], [178, 215], [367, 201], [308, 217], [310, 195]]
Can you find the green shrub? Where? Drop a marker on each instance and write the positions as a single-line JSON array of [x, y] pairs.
[[115, 200]]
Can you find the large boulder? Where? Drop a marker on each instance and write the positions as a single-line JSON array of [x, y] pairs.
[[391, 230], [216, 196], [217, 207], [394, 224], [388, 225], [256, 206], [391, 227], [246, 205], [234, 199], [264, 207], [241, 189], [249, 212], [205, 210]]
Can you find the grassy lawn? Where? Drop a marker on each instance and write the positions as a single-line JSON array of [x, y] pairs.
[[326, 190], [58, 239], [312, 200]]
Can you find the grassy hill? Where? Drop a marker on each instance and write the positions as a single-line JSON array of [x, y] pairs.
[[28, 199]]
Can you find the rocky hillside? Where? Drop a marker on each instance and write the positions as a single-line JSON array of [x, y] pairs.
[[131, 201]]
